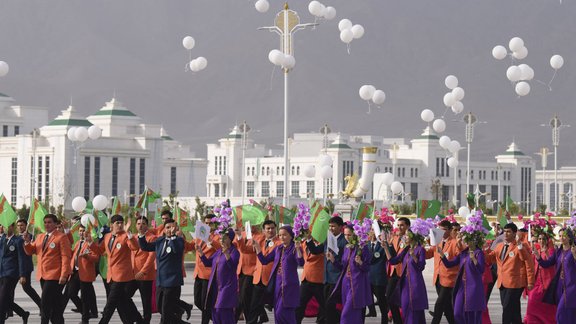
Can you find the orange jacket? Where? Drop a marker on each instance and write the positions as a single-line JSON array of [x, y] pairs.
[[262, 272], [200, 270], [54, 260], [87, 259], [145, 262], [510, 274], [398, 246], [247, 263], [313, 271], [120, 256], [158, 231], [447, 275]]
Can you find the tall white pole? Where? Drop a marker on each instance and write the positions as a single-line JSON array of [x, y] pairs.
[[556, 186], [285, 199], [468, 167]]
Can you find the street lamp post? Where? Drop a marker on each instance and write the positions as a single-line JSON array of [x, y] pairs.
[[470, 120], [244, 128], [556, 125], [286, 24], [544, 152]]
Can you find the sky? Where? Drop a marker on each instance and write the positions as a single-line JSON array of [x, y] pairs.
[[84, 52]]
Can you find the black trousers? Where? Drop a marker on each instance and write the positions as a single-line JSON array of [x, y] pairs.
[[257, 312], [7, 286], [394, 309], [443, 304], [494, 271], [30, 291], [380, 293], [330, 314], [119, 299], [51, 308], [167, 298], [145, 288], [510, 299], [200, 296], [307, 291], [74, 286], [245, 286]]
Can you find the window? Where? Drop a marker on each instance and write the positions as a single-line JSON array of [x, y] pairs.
[[459, 174], [47, 176], [297, 170], [292, 170], [216, 190], [5, 130], [263, 169], [414, 191], [416, 172], [14, 191], [115, 177], [265, 189], [173, 180], [411, 172], [87, 177], [253, 171], [471, 175], [96, 175], [132, 180], [539, 194], [248, 171], [39, 176], [267, 170], [142, 180], [215, 165], [310, 188], [277, 170], [224, 166], [279, 188], [295, 189], [16, 130], [250, 188]]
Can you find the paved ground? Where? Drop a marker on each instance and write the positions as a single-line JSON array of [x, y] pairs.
[[187, 295]]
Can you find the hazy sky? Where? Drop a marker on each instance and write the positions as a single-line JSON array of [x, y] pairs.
[[88, 50]]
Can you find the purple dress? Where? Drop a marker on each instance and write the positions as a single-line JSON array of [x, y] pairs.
[[284, 277], [223, 285], [355, 284], [566, 287], [411, 287], [468, 297]]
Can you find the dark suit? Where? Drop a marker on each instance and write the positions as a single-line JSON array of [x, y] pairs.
[[332, 274], [11, 268], [27, 287], [379, 278]]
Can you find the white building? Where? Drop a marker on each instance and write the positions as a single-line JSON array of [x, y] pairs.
[[258, 173], [38, 159], [546, 192]]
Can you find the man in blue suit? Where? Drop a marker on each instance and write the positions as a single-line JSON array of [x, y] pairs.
[[12, 268], [169, 250], [333, 273], [378, 278]]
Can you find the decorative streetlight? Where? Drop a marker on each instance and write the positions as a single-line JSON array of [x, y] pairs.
[[470, 120], [244, 128], [78, 137], [325, 130], [544, 152], [286, 24], [556, 125], [4, 68]]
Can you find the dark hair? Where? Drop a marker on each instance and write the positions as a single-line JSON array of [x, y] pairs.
[[143, 218], [406, 220], [22, 220], [166, 212], [209, 216], [168, 221], [268, 222], [336, 220], [523, 230], [349, 226], [82, 226], [511, 226], [446, 223], [52, 217], [116, 218]]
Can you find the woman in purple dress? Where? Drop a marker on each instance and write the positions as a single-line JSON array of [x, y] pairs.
[[563, 294], [223, 283], [354, 280], [412, 293], [284, 276]]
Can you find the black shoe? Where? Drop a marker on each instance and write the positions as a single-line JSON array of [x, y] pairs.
[[25, 317], [268, 307], [188, 310], [431, 313], [94, 315], [75, 310], [371, 314]]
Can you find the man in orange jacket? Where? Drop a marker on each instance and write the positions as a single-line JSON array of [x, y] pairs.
[[398, 244], [246, 269], [53, 268], [312, 284], [144, 268]]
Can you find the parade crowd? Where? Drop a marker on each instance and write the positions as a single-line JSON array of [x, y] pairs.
[[241, 274]]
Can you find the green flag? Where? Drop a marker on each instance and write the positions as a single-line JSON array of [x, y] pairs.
[[283, 215], [319, 222], [183, 219], [7, 214], [116, 206], [36, 216], [509, 203], [256, 215], [428, 208], [364, 210], [486, 225], [146, 198]]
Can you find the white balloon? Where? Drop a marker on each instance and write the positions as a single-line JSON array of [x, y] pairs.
[[522, 88], [344, 24], [513, 73], [325, 160], [454, 146], [458, 94], [444, 141], [346, 36], [288, 62], [451, 82], [427, 115], [202, 63], [309, 171], [86, 220], [315, 8], [71, 133], [521, 53], [526, 72], [396, 187], [452, 162], [516, 44], [4, 68], [499, 52], [100, 202], [188, 42], [79, 204], [262, 6], [457, 107], [276, 57], [387, 178], [439, 125], [463, 211], [193, 65], [366, 91], [329, 13], [326, 172], [556, 61], [94, 132], [81, 134], [357, 31], [449, 99], [379, 97]]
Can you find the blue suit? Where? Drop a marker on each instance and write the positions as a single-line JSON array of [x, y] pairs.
[[332, 272], [168, 260], [12, 257], [378, 276], [331, 275], [28, 264]]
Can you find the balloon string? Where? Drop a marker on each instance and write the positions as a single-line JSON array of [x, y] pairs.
[[348, 48], [369, 107], [186, 67], [272, 76], [553, 76], [544, 83], [445, 111]]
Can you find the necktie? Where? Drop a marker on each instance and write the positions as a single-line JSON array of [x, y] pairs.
[[164, 248], [78, 254], [443, 244], [46, 236], [504, 251], [267, 245], [111, 243]]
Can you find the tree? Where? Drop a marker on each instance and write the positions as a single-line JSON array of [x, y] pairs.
[[200, 209], [436, 189]]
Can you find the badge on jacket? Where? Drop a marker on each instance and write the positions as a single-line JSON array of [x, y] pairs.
[[12, 248], [168, 249], [376, 254], [52, 245], [511, 254], [118, 246]]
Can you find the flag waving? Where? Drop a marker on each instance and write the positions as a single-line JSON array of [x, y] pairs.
[[319, 222], [255, 214], [183, 219], [36, 215], [364, 210], [147, 197], [7, 214], [283, 215], [116, 206]]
